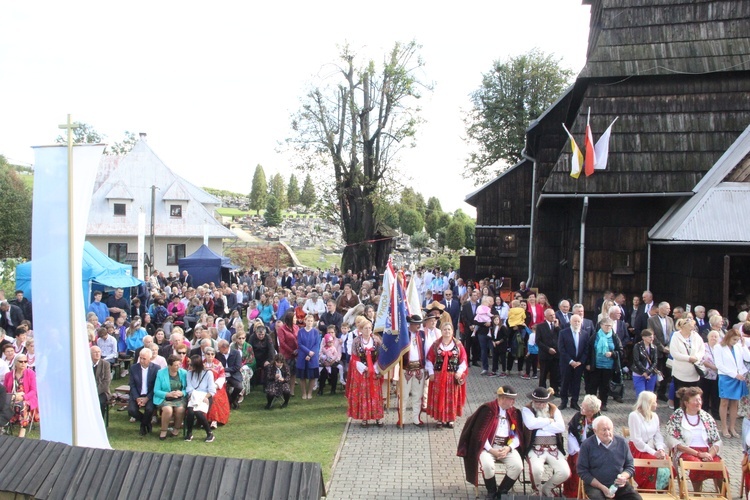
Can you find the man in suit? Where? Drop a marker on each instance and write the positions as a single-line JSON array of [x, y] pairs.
[[468, 311], [142, 381], [608, 295], [452, 307], [571, 344], [102, 376], [186, 279], [587, 326], [231, 359], [563, 313], [663, 327], [701, 322], [10, 317], [547, 333]]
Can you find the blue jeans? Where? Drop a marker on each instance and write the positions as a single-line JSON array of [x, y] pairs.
[[485, 345], [640, 383]]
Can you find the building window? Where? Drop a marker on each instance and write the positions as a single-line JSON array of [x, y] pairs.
[[118, 251], [120, 209], [622, 263], [174, 254], [508, 244], [506, 204], [175, 211]]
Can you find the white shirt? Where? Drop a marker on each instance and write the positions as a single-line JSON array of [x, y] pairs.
[[414, 348], [144, 379], [645, 434], [543, 425], [430, 336]]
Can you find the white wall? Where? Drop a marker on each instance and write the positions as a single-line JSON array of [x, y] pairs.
[[160, 247]]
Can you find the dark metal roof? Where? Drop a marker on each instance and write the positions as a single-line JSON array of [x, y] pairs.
[[47, 470]]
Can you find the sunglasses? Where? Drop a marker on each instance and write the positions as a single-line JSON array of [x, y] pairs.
[[21, 361], [182, 352]]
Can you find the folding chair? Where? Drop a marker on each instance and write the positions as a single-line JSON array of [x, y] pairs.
[[655, 494], [686, 494], [581, 490], [745, 479], [530, 481], [499, 472]]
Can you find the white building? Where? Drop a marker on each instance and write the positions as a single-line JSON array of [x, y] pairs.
[[183, 213]]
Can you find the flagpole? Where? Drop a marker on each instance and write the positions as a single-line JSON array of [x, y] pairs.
[[400, 395]]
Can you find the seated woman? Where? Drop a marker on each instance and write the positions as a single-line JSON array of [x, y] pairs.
[[20, 383], [248, 360], [276, 378], [646, 440], [693, 436], [200, 389], [579, 428], [170, 391], [219, 411]]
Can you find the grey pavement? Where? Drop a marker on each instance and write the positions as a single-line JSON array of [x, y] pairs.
[[421, 463]]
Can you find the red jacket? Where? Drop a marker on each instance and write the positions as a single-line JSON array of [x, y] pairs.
[[29, 387]]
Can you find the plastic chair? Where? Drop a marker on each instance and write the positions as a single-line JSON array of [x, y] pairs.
[[686, 494]]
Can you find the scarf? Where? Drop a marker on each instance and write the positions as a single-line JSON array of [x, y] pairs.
[[604, 344]]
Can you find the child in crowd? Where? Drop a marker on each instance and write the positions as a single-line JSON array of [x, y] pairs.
[[277, 381], [347, 337], [329, 360], [532, 355], [483, 314], [499, 346], [517, 335]]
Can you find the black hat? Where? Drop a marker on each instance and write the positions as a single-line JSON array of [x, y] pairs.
[[415, 319], [507, 391], [541, 394]]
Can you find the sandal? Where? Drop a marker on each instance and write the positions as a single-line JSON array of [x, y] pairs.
[[734, 434], [726, 434], [176, 432], [163, 435]]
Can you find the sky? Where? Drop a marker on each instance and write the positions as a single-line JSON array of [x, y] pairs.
[[214, 85]]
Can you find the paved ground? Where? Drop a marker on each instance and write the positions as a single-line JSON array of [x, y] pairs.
[[414, 463]]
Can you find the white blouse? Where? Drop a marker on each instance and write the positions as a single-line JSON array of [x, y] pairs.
[[728, 364], [645, 434]]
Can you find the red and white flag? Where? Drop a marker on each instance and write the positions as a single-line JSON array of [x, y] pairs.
[[590, 160]]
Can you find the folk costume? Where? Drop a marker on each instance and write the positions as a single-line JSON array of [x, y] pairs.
[[446, 395], [543, 433], [492, 427], [363, 386], [700, 436], [413, 376], [219, 411], [579, 428]]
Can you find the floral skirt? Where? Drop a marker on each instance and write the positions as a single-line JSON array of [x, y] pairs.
[[21, 414], [219, 410], [445, 398], [364, 396]]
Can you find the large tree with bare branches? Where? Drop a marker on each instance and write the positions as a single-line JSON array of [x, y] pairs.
[[354, 123]]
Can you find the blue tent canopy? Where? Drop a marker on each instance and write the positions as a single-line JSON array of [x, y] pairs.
[[206, 266], [97, 269]]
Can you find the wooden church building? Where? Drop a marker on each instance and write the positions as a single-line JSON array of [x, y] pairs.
[[670, 213]]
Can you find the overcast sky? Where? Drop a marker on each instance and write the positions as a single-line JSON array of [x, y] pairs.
[[213, 84]]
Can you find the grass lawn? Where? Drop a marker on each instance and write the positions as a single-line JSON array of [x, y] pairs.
[[310, 257], [305, 431]]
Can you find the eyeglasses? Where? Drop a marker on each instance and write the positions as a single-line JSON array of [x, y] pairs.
[[240, 338], [21, 361], [182, 352]]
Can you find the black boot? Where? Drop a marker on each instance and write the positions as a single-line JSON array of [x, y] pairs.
[[286, 400], [505, 486], [333, 386], [491, 485], [269, 398]]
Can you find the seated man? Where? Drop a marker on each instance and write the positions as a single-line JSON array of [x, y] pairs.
[[543, 428], [142, 381], [231, 359], [492, 434], [103, 377], [605, 464]]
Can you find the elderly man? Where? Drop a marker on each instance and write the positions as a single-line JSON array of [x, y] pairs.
[[102, 376], [605, 464], [663, 327], [563, 314], [142, 381], [547, 334], [571, 344], [543, 428], [231, 359], [413, 376], [492, 434]]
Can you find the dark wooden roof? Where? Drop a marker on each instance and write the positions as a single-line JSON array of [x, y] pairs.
[[664, 37], [47, 470]]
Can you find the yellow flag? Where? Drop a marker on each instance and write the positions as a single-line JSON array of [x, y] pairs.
[[576, 161]]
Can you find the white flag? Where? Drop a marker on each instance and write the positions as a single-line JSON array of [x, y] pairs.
[[602, 148]]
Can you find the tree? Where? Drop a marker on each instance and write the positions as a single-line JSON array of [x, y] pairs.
[[122, 148], [411, 221], [432, 223], [86, 134], [433, 205], [357, 126], [388, 213], [277, 189], [273, 212], [292, 191], [455, 235], [469, 229], [513, 93], [259, 191], [418, 241], [15, 214], [307, 195]]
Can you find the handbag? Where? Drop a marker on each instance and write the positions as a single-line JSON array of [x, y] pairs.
[[617, 389], [701, 369]]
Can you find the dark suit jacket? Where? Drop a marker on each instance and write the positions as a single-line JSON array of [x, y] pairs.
[[135, 380], [561, 318], [588, 326], [467, 316], [547, 338], [566, 347], [232, 363], [454, 310], [196, 351], [16, 316], [704, 328], [103, 377], [661, 338]]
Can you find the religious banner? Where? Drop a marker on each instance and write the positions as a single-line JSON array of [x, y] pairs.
[[68, 400]]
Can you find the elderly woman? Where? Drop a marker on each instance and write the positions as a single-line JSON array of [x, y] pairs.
[[200, 389], [219, 411], [314, 305], [365, 400], [710, 382], [447, 366], [730, 358], [248, 360], [579, 429], [20, 384], [687, 349], [603, 348], [645, 356], [692, 435], [646, 440], [170, 391], [264, 351]]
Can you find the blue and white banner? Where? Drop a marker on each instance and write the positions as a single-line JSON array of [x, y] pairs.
[[396, 335]]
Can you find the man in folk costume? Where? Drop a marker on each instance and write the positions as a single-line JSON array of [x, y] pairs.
[[543, 428], [492, 434], [413, 376]]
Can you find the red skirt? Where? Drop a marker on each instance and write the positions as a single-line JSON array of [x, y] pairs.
[[446, 398], [570, 486], [644, 476], [219, 410], [364, 395], [702, 475]]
